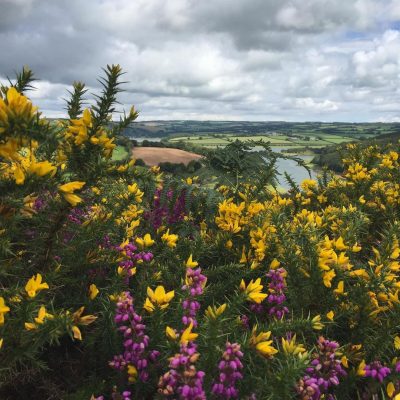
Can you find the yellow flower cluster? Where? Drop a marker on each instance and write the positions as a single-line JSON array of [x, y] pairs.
[[80, 132]]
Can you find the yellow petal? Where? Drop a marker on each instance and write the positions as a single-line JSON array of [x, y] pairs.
[[171, 334], [77, 333], [93, 291], [71, 186], [390, 389], [72, 199]]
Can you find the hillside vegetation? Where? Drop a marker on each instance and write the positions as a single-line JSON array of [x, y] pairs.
[[120, 282]]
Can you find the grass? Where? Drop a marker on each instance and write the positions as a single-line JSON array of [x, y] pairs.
[[120, 153]]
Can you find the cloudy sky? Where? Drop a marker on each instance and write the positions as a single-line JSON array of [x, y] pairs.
[[293, 60]]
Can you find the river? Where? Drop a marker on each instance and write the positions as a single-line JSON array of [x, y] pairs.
[[296, 172]]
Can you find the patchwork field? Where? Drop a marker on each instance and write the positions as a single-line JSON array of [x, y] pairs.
[[310, 140]]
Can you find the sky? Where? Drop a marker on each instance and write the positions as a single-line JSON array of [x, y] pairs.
[[261, 60]]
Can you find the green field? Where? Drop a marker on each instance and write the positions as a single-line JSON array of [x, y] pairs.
[[305, 139]]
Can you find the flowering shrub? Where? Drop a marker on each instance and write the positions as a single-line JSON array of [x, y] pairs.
[[118, 282]]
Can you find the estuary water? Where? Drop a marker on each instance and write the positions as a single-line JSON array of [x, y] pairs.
[[297, 173]]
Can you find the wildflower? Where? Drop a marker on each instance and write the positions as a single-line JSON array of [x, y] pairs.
[[195, 282], [135, 342], [290, 346], [323, 372], [274, 264], [1, 342], [316, 323], [187, 335], [339, 244], [276, 296], [42, 314], [68, 190], [78, 130], [214, 312], [93, 291], [396, 343], [377, 371], [390, 389], [171, 333], [327, 277], [261, 343], [229, 372], [16, 111], [78, 319], [183, 381], [132, 373], [146, 241], [330, 315], [169, 239], [190, 263], [134, 189], [253, 290], [3, 309], [159, 297], [34, 285], [340, 289], [361, 368]]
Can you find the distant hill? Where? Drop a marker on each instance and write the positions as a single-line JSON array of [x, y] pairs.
[[180, 128]]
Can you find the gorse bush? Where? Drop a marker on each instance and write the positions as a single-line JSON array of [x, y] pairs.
[[119, 282]]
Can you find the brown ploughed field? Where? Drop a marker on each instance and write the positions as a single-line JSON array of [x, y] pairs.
[[155, 155]]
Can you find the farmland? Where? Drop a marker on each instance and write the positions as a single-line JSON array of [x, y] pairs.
[[275, 140]]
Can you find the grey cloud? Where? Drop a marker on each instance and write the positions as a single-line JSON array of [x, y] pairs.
[[233, 59]]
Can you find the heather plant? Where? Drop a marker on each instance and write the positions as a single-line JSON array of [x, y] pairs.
[[120, 282]]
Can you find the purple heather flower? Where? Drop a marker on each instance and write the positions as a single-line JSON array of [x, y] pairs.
[[131, 258], [135, 339], [194, 285], [277, 296], [229, 372], [183, 381], [377, 371], [323, 372]]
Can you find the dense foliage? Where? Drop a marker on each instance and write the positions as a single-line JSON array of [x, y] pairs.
[[120, 282]]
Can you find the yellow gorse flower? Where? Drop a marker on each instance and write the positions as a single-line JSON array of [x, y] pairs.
[[188, 335], [169, 239], [158, 297], [261, 343], [253, 290], [146, 241], [290, 346], [230, 216], [213, 312], [68, 190], [316, 323], [134, 189], [39, 320], [132, 373], [35, 285], [3, 309], [93, 291], [190, 263], [78, 319], [16, 112], [78, 131], [171, 333]]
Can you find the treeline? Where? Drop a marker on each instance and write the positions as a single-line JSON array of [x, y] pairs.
[[331, 156]]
